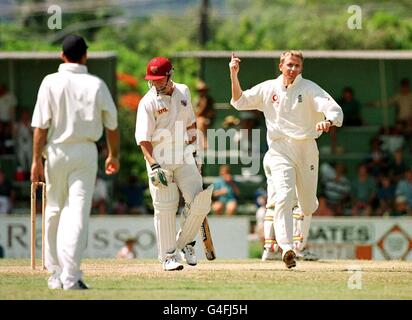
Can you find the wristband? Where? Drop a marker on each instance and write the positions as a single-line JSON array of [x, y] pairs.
[[155, 166]]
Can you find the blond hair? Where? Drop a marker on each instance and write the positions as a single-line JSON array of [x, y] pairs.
[[294, 53]]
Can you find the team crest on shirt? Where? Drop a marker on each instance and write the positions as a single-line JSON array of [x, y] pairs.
[[183, 102], [275, 98], [300, 98], [162, 111]]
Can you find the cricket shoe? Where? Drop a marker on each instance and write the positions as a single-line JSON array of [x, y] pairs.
[[171, 263], [188, 254], [54, 283], [270, 255], [79, 285], [306, 255], [289, 259]]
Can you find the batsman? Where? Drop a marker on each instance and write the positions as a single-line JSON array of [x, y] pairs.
[[166, 134]]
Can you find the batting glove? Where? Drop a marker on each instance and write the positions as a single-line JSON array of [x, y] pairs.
[[158, 176]]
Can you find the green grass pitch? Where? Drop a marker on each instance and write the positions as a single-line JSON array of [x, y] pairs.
[[216, 280]]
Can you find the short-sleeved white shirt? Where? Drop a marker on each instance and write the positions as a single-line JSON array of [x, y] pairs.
[[74, 106], [291, 112], [163, 117]]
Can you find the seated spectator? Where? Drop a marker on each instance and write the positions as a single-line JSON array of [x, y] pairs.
[[397, 165], [127, 251], [6, 138], [351, 107], [337, 190], [225, 192], [23, 135], [401, 208], [323, 209], [363, 193], [244, 136], [8, 104], [100, 196], [404, 187], [204, 110], [402, 101], [6, 194], [385, 195], [134, 195], [378, 160]]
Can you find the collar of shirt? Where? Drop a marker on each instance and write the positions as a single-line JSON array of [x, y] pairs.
[[294, 83], [73, 67]]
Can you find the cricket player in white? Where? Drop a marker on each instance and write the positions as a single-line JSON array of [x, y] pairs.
[[71, 110], [166, 133], [297, 111]]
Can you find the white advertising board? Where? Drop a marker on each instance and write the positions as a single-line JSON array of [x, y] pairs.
[[107, 233], [376, 238]]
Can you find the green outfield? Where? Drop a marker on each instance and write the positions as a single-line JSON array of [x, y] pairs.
[[220, 279]]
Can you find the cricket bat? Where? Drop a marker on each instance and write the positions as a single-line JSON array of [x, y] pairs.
[[207, 240]]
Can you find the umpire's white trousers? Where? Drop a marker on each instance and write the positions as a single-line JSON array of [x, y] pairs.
[[187, 179], [70, 171], [291, 166]]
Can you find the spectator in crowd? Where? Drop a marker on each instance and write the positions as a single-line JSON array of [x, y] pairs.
[[337, 189], [397, 165], [351, 107], [248, 122], [204, 110], [6, 138], [377, 161], [134, 195], [8, 104], [230, 122], [100, 194], [363, 193], [6, 194], [401, 208], [403, 104], [404, 187], [1, 252], [225, 192], [23, 135], [402, 101], [127, 251], [385, 195], [323, 209]]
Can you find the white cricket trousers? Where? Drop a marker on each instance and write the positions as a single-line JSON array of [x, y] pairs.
[[70, 171], [291, 168], [188, 180]]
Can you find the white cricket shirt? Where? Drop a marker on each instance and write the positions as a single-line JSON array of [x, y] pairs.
[[164, 118], [74, 106], [291, 112]]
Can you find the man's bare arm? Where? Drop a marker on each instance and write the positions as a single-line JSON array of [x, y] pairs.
[[39, 141], [112, 163], [147, 149]]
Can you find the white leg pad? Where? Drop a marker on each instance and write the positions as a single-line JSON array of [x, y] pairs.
[[165, 203], [198, 210], [269, 229]]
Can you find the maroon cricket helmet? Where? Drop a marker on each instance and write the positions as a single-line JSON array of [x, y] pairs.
[[158, 68]]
